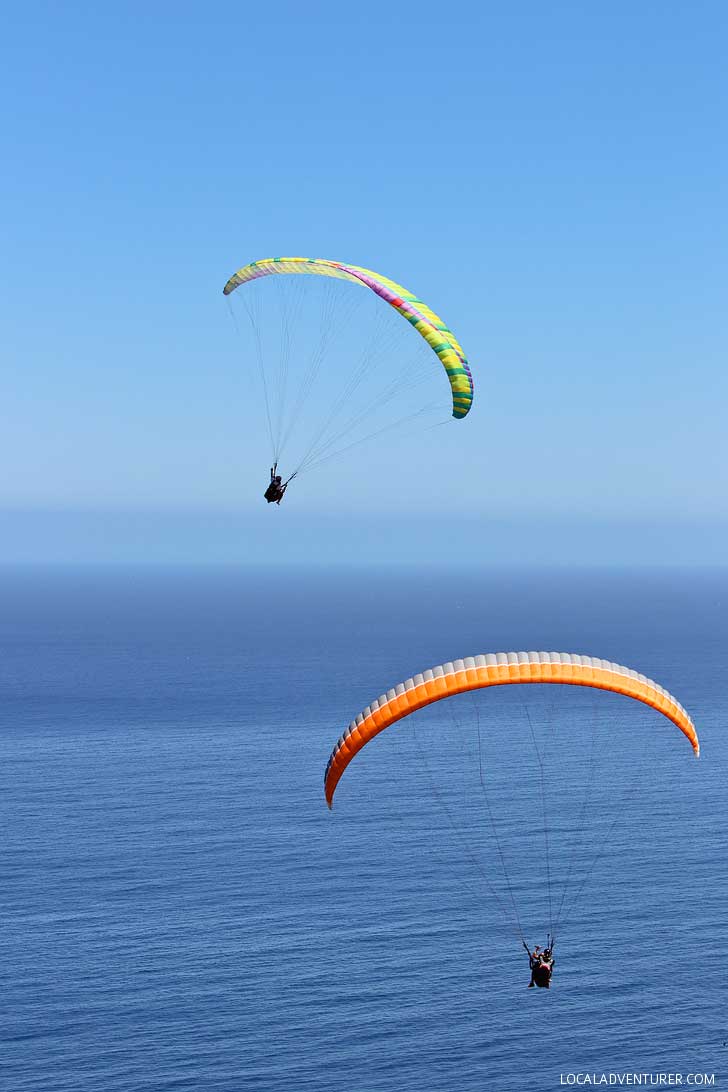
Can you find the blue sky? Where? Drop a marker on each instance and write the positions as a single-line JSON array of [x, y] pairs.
[[552, 178]]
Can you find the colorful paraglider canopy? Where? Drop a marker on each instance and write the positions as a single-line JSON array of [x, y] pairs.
[[438, 336]]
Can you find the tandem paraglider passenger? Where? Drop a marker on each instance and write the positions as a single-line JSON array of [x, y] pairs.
[[277, 487], [542, 965]]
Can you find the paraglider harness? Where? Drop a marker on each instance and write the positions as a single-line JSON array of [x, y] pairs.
[[541, 968], [276, 489]]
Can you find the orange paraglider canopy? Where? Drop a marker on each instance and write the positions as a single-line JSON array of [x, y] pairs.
[[498, 669]]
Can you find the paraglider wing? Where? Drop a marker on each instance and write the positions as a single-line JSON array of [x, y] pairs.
[[439, 337], [479, 672]]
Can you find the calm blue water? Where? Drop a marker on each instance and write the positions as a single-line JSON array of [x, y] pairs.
[[180, 911]]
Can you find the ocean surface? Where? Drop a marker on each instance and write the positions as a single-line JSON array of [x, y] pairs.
[[179, 909]]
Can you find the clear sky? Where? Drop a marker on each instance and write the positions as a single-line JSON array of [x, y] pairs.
[[553, 178]]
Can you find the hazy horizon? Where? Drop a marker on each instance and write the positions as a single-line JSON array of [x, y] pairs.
[[291, 538]]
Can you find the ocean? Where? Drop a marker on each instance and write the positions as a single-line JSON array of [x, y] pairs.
[[180, 910]]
